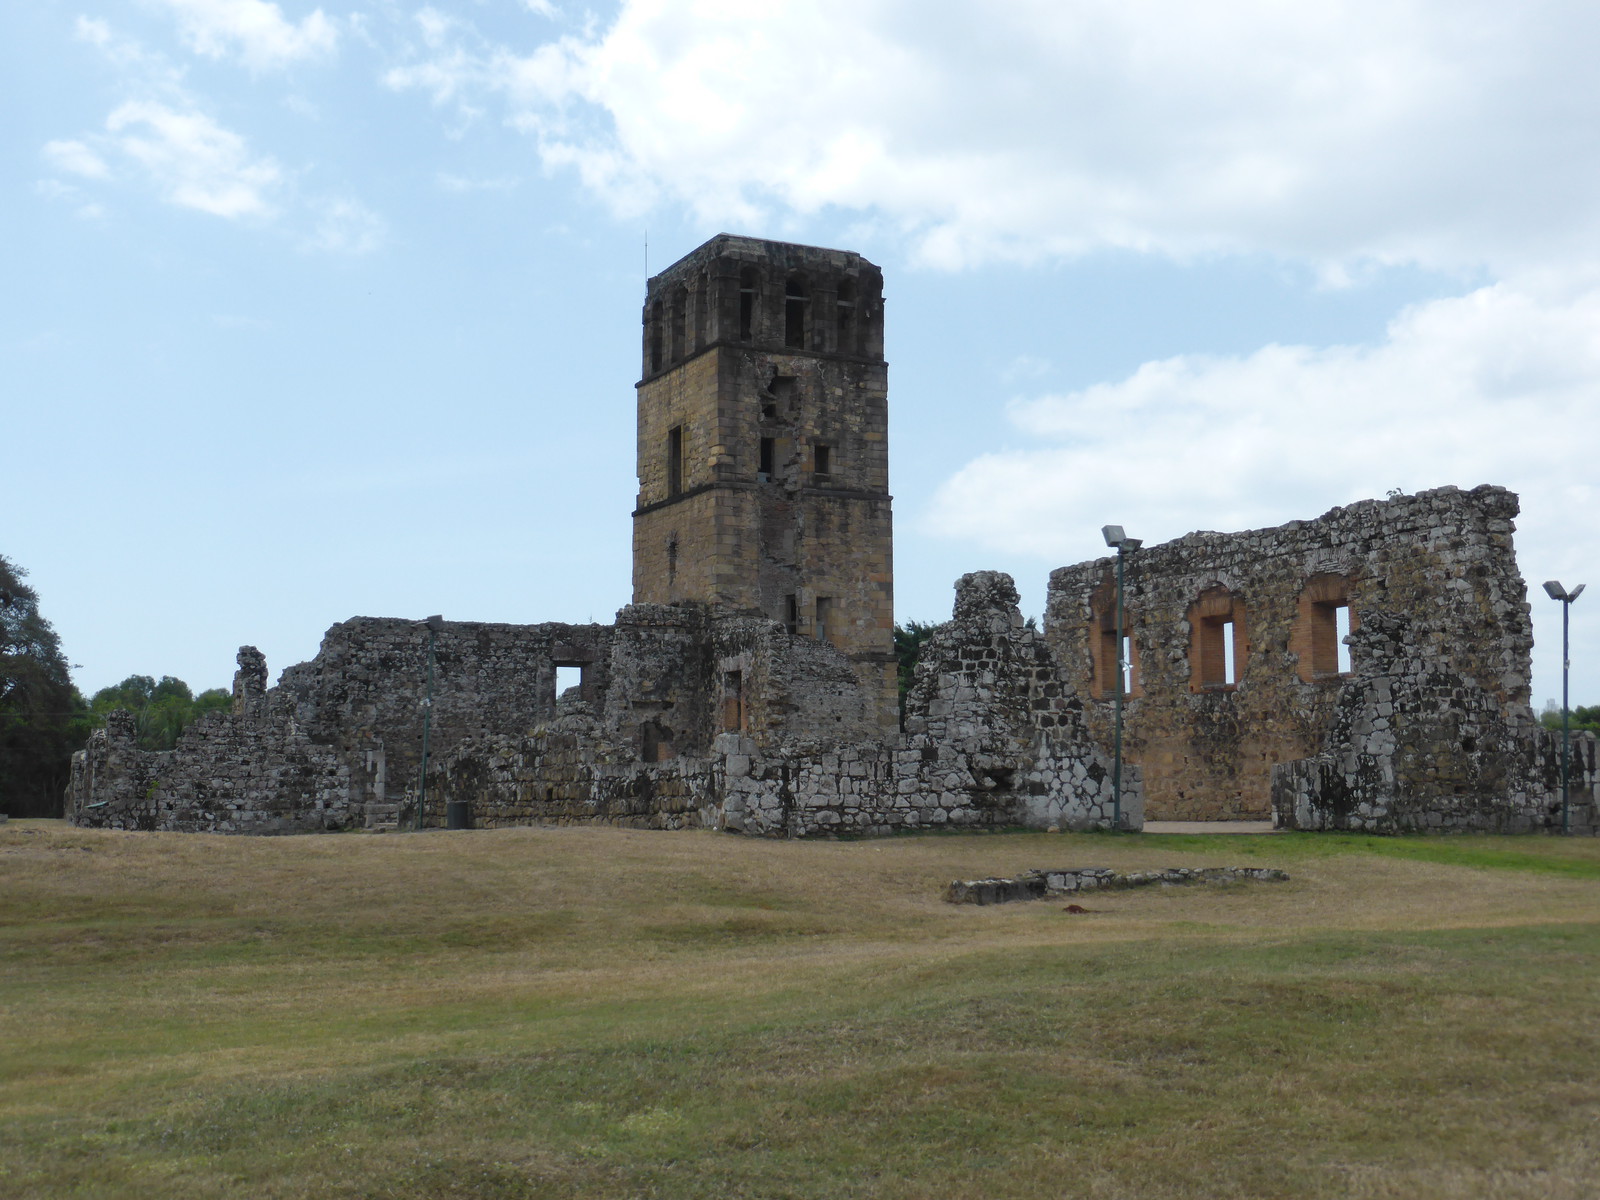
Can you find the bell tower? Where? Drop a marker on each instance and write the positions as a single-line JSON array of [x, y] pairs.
[[763, 445]]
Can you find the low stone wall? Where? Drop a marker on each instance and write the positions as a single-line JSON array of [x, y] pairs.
[[229, 774], [1042, 885]]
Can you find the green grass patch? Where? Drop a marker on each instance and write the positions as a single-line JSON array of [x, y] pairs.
[[588, 1013]]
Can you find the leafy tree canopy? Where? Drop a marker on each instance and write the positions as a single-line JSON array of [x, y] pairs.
[[1579, 719], [161, 710], [42, 717]]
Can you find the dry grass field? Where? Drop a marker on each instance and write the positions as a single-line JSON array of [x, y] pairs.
[[613, 1013]]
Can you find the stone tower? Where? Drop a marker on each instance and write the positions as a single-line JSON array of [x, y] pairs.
[[763, 445]]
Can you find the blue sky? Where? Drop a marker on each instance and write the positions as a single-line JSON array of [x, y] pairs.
[[324, 311]]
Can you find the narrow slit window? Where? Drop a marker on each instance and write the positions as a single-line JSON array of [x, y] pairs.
[[795, 300], [765, 468], [655, 336], [680, 315], [733, 701], [1127, 665], [675, 460], [792, 613], [747, 304], [1230, 669], [846, 317], [1341, 630]]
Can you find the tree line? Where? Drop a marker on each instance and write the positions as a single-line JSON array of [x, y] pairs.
[[44, 718]]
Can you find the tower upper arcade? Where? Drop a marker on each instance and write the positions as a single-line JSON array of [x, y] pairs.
[[766, 295]]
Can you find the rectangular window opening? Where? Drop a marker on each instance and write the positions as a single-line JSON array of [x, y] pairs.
[[732, 701], [824, 618], [675, 460], [1229, 667], [792, 613], [569, 679], [823, 459], [765, 468], [794, 322], [1341, 627]]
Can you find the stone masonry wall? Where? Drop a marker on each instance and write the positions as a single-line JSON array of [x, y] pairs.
[[998, 739], [1417, 748], [229, 773], [1208, 744]]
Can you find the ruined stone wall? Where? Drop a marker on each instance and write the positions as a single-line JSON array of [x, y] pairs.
[[365, 689], [1207, 744], [998, 738], [229, 773], [339, 741], [1414, 747]]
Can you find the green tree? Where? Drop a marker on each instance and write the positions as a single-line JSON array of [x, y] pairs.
[[1579, 719], [161, 710], [908, 639], [42, 717]]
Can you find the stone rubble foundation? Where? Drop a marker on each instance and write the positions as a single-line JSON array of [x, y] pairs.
[[1047, 884]]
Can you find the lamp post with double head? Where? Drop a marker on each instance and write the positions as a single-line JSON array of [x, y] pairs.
[[1116, 537], [1556, 592]]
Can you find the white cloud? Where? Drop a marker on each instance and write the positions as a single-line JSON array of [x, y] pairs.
[[1449, 133], [195, 162], [254, 31], [1496, 386], [76, 159], [345, 226]]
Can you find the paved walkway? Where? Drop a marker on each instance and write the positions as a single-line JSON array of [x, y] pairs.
[[1210, 827]]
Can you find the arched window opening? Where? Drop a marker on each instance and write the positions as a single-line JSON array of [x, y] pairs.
[[845, 317], [1323, 619], [655, 336], [1219, 644], [680, 317], [796, 298], [697, 307], [749, 283]]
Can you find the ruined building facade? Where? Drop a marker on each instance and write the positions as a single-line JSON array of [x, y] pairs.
[[1365, 670]]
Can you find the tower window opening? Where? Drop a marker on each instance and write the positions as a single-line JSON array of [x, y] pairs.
[[747, 304], [568, 677], [795, 300], [680, 317], [822, 459], [733, 701], [765, 468], [672, 558], [655, 336], [824, 630], [783, 389], [1341, 630], [675, 460], [791, 605], [845, 317]]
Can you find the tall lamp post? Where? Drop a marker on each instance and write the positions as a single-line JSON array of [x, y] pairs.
[[1116, 537], [434, 623], [1556, 592]]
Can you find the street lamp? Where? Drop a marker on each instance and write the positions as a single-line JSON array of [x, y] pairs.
[[1116, 537], [1556, 592], [434, 623]]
